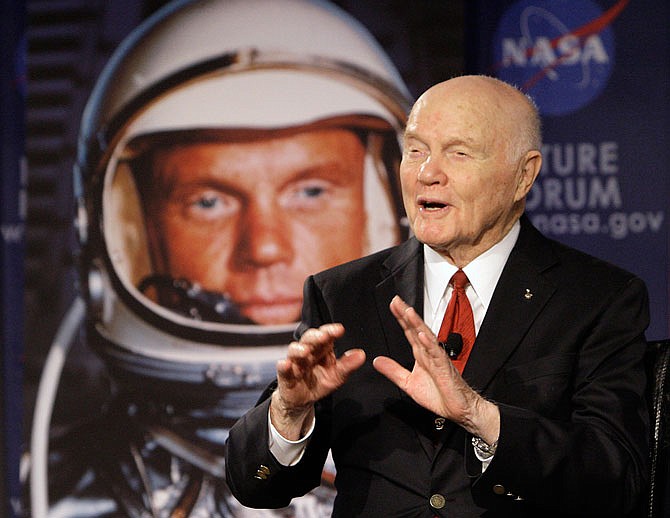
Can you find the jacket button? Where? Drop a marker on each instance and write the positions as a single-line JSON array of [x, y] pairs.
[[499, 489], [437, 501]]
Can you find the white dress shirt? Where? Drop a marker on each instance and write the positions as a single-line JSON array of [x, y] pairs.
[[483, 273]]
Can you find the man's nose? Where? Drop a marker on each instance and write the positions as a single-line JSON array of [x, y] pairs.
[[264, 238], [431, 172]]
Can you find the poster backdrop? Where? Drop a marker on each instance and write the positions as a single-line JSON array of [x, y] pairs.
[[13, 210], [184, 219], [599, 72]]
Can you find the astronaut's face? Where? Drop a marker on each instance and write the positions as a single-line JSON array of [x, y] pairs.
[[253, 219]]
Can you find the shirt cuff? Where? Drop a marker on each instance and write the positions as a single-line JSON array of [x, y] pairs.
[[287, 453], [484, 460]]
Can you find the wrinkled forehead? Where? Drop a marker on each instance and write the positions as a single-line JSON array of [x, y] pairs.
[[460, 114]]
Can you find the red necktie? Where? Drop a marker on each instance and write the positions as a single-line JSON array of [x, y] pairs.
[[458, 319]]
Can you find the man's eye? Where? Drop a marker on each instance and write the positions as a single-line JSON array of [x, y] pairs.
[[310, 189], [313, 191], [206, 202], [414, 152], [208, 205], [307, 195], [460, 153]]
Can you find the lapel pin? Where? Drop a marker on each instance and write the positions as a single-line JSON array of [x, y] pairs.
[[528, 295]]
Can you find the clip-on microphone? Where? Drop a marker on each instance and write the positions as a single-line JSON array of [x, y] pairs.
[[453, 345]]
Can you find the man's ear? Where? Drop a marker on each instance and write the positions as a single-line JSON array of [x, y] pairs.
[[529, 169]]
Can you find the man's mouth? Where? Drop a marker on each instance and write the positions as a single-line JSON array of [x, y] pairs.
[[431, 205], [278, 311]]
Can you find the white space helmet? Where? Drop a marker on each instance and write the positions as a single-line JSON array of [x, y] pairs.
[[212, 65]]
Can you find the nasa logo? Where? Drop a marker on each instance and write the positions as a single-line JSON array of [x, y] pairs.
[[561, 53]]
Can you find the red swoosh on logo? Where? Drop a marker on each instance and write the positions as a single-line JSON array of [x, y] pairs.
[[592, 27]]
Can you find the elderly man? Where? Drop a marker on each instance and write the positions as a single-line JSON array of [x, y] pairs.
[[528, 400]]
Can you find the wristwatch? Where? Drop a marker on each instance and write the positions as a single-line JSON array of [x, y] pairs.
[[484, 449]]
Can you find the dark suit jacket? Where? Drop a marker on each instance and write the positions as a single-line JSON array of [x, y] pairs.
[[560, 350]]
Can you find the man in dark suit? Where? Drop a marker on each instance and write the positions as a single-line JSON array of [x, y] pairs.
[[548, 416]]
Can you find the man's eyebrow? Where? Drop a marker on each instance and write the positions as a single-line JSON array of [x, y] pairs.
[[458, 142], [214, 184], [330, 170], [410, 135], [446, 142]]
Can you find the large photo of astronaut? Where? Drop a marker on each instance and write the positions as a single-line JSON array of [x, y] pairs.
[[228, 149]]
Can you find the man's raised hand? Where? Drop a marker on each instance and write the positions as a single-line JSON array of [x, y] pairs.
[[309, 372]]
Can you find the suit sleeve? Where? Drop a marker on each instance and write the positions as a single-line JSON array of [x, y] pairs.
[[595, 462], [253, 475]]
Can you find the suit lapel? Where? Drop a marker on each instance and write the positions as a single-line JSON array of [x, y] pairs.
[[403, 276], [519, 297]]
